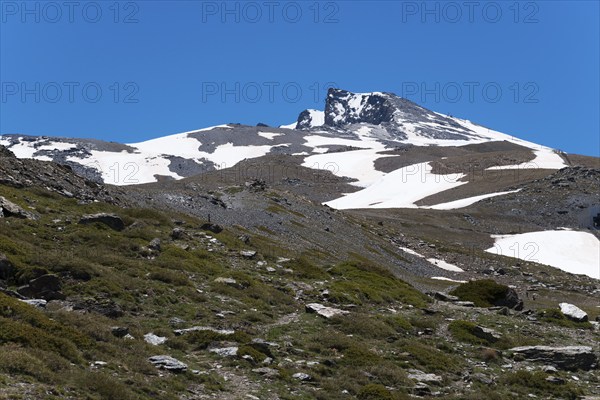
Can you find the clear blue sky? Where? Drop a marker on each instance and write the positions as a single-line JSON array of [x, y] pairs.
[[530, 69]]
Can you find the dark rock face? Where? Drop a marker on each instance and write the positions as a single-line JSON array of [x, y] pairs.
[[7, 269], [111, 220], [344, 108], [4, 152], [511, 300], [46, 287], [569, 358], [214, 228]]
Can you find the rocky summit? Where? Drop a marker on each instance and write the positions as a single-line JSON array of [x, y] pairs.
[[373, 249]]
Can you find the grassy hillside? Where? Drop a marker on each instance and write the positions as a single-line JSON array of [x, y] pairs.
[[253, 303]]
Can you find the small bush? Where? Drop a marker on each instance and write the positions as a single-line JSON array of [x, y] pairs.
[[535, 382], [374, 391], [555, 316], [465, 332], [16, 360], [365, 283], [484, 293], [170, 277]]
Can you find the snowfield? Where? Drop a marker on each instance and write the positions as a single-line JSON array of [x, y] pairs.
[[452, 205], [571, 251], [399, 189]]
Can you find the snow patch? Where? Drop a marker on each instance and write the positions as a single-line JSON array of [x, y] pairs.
[[571, 251], [399, 189], [451, 205], [269, 135]]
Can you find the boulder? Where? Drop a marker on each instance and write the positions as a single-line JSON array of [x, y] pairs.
[[230, 351], [266, 372], [510, 300], [489, 335], [45, 287], [248, 253], [324, 311], [573, 312], [155, 244], [153, 339], [183, 331], [39, 303], [119, 331], [444, 297], [7, 269], [569, 358], [113, 221], [10, 209], [45, 283], [177, 234], [421, 376], [214, 228], [168, 363], [301, 376]]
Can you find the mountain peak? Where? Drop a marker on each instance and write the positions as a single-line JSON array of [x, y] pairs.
[[343, 108]]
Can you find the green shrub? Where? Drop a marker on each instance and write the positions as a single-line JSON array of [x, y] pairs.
[[464, 331], [484, 293], [555, 316], [365, 283], [535, 382], [374, 391], [170, 277], [16, 360]]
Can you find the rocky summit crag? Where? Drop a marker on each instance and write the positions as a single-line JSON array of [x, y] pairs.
[[350, 255]]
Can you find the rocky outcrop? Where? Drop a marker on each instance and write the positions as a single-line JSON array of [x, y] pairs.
[[111, 220], [168, 363], [573, 312], [10, 209], [45, 287], [569, 358], [510, 300]]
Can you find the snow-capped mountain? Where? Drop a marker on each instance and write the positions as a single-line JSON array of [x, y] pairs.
[[371, 138]]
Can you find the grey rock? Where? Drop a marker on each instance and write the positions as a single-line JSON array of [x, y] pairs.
[[39, 303], [10, 209], [301, 376], [180, 332], [168, 363], [214, 228], [119, 331], [569, 358], [324, 311], [421, 376], [573, 312], [177, 233], [248, 253], [113, 221], [155, 244], [230, 351], [266, 372], [444, 297], [153, 339]]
